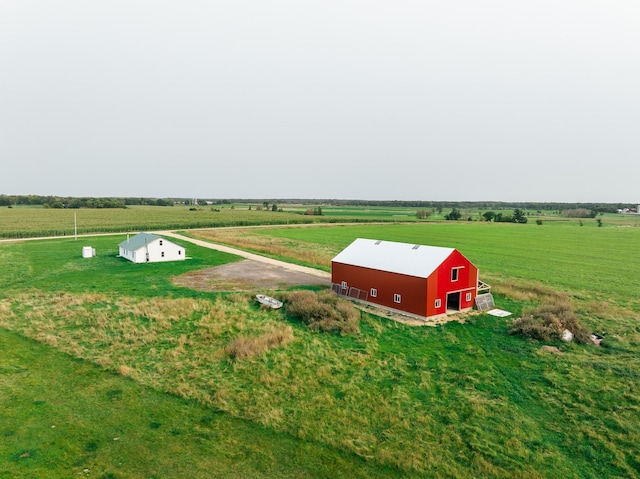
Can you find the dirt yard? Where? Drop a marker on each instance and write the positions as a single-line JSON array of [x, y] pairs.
[[247, 275]]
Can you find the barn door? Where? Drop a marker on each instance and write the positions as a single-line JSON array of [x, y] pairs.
[[453, 301]]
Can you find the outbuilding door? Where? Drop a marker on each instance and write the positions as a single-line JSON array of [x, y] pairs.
[[453, 301]]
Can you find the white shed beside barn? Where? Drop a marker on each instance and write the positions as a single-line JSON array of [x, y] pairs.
[[150, 248], [88, 252]]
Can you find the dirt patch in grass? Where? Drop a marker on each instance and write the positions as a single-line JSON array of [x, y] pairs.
[[414, 321], [246, 275], [551, 349]]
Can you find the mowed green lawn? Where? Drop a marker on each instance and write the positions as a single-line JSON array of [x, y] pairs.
[[460, 400], [594, 263]]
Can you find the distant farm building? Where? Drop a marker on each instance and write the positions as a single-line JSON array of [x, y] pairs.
[[150, 248], [424, 281]]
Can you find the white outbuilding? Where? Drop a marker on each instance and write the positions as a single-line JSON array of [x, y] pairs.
[[150, 248]]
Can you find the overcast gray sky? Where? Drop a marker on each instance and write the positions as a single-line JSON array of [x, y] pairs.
[[364, 99]]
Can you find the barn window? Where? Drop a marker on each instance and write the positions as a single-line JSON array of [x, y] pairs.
[[454, 274], [160, 242], [162, 254], [397, 298], [438, 303], [179, 252], [468, 297], [374, 292], [344, 285]]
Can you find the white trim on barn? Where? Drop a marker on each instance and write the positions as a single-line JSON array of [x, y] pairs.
[[150, 248]]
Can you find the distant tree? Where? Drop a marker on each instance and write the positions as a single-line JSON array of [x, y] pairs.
[[265, 205], [599, 222], [274, 207], [539, 222], [519, 216], [454, 215], [489, 215], [423, 214]]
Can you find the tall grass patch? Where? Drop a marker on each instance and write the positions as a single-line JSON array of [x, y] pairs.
[[323, 311], [245, 347], [301, 252], [548, 322], [430, 401]]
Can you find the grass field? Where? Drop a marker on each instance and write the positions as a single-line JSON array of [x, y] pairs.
[[63, 417], [460, 400], [596, 264]]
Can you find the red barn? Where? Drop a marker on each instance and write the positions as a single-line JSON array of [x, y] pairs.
[[425, 281]]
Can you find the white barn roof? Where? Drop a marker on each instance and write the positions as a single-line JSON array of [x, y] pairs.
[[402, 258]]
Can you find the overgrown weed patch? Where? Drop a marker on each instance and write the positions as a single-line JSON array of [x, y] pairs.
[[549, 321]]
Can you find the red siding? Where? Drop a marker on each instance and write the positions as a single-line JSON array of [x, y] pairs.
[[432, 295], [412, 290]]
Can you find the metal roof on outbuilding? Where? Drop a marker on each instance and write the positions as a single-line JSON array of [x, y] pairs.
[[402, 258], [138, 241]]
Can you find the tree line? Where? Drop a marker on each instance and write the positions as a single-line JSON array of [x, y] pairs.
[[446, 205], [82, 202], [123, 202]]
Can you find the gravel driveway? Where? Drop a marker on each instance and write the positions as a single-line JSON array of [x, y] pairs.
[[254, 272], [247, 275]]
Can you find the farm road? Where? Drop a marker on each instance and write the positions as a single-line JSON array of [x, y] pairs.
[[251, 256]]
